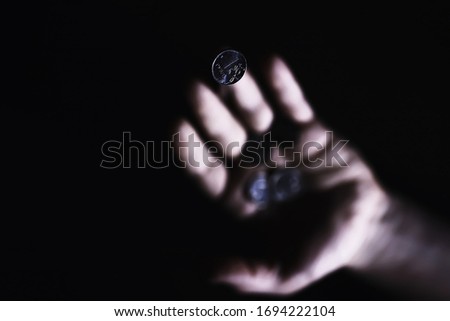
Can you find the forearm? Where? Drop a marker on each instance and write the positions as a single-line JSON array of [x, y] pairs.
[[409, 251]]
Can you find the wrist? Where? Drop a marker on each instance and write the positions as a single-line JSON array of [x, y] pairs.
[[407, 249], [378, 234]]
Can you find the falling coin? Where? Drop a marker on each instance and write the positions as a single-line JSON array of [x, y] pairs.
[[229, 67]]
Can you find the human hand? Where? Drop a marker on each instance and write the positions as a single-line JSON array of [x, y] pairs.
[[324, 228]]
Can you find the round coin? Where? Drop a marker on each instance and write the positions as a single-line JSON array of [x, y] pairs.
[[258, 189], [228, 67], [285, 184]]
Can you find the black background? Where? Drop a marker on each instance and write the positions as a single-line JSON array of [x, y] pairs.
[[79, 75]]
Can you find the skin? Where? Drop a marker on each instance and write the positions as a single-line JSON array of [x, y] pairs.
[[346, 219]]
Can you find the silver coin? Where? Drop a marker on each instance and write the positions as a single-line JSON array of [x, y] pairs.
[[258, 189], [229, 67], [285, 184], [282, 185]]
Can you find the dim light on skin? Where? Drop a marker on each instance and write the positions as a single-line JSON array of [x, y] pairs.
[[358, 233]]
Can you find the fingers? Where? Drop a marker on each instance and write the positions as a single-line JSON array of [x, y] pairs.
[[194, 156], [252, 106], [288, 93], [217, 121]]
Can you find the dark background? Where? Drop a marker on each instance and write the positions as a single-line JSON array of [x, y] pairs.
[[79, 75]]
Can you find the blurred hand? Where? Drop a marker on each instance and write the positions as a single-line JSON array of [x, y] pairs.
[[323, 229]]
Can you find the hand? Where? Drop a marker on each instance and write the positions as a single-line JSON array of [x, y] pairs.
[[301, 240]]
